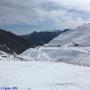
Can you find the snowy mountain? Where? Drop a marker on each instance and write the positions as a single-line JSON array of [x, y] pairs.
[[15, 43], [74, 49], [81, 35], [65, 67], [40, 38]]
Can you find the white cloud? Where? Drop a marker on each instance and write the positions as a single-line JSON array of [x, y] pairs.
[[83, 5], [69, 22], [61, 12]]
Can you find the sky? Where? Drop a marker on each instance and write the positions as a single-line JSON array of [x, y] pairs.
[[25, 16]]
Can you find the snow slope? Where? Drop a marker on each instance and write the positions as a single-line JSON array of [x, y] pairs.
[[39, 75], [67, 53], [42, 68], [81, 35]]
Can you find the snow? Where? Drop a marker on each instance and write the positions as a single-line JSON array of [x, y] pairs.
[[65, 53], [58, 65], [81, 35], [37, 75], [4, 56]]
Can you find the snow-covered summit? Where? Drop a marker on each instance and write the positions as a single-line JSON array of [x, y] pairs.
[[80, 35]]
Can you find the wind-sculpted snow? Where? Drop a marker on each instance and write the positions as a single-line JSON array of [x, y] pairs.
[[66, 54], [35, 54]]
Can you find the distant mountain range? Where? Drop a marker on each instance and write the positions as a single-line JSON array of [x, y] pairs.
[[43, 37], [11, 43]]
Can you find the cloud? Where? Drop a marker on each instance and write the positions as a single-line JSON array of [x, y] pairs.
[[83, 5], [62, 13]]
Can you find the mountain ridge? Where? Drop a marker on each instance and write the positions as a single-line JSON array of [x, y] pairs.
[[80, 35], [12, 43], [15, 43], [43, 37]]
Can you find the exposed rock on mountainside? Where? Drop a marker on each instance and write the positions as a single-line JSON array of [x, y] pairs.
[[10, 42]]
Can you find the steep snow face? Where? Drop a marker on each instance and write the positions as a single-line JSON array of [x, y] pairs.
[[35, 54], [81, 35]]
